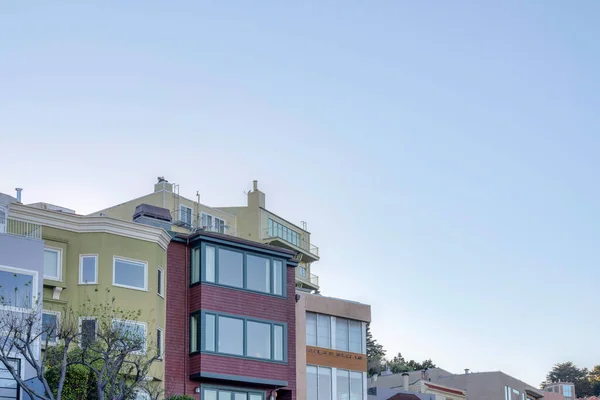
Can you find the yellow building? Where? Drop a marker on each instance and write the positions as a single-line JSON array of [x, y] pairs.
[[252, 222], [98, 258]]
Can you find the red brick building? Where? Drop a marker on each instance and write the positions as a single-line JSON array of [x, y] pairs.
[[230, 326]]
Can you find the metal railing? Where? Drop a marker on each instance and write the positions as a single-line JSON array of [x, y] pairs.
[[16, 227], [307, 277], [298, 240], [194, 222]]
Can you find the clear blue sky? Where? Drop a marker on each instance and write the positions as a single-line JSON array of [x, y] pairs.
[[444, 154]]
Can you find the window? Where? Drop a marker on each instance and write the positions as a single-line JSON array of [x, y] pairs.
[[9, 389], [230, 394], [132, 334], [312, 386], [259, 273], [341, 334], [239, 336], [342, 384], [160, 282], [238, 269], [185, 214], [159, 343], [356, 338], [141, 395], [220, 225], [303, 272], [324, 384], [277, 230], [49, 327], [130, 274], [88, 269], [567, 391], [194, 333], [3, 213], [231, 268], [17, 288], [207, 222], [87, 328], [311, 329], [323, 331], [356, 385], [52, 263]]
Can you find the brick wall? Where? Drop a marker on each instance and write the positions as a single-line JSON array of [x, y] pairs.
[[179, 365]]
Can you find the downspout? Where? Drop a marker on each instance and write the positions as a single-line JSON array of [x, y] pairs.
[[187, 318]]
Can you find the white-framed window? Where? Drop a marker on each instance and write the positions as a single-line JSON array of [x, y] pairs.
[[302, 272], [159, 342], [160, 288], [88, 269], [8, 385], [133, 331], [50, 323], [18, 288], [88, 327], [185, 214], [52, 263], [220, 225], [213, 224], [131, 274]]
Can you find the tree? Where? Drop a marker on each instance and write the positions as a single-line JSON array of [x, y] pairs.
[[569, 372], [114, 361], [375, 354], [399, 364]]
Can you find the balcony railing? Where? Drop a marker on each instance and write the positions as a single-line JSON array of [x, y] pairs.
[[297, 240], [194, 222], [307, 277], [16, 227]]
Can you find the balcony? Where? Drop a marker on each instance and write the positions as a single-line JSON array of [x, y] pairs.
[[193, 222], [292, 240], [306, 280], [16, 227]]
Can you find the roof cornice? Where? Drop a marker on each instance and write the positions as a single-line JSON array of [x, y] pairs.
[[90, 224]]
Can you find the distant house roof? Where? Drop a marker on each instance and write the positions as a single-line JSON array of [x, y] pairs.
[[153, 212], [404, 396]]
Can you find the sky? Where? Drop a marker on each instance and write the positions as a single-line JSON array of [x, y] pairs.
[[443, 154]]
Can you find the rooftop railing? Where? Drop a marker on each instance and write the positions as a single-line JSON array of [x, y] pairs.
[[203, 222], [17, 227], [295, 239]]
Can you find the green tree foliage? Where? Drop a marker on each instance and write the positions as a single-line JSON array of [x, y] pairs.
[[180, 397], [399, 364], [569, 372], [375, 354]]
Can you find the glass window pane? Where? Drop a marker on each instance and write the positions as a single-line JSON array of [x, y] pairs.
[[16, 290], [341, 334], [278, 342], [324, 331], [278, 277], [159, 342], [195, 265], [223, 395], [311, 329], [88, 331], [160, 281], [209, 332], [356, 337], [210, 264], [131, 332], [258, 273], [240, 396], [193, 333], [311, 382], [356, 386], [49, 327], [231, 265], [258, 339], [256, 397], [88, 269], [324, 383], [51, 263], [343, 384], [209, 394], [270, 227], [130, 273], [231, 336]]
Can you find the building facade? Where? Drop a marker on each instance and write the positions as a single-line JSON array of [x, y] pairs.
[[252, 222], [84, 261], [331, 350], [566, 389], [230, 319]]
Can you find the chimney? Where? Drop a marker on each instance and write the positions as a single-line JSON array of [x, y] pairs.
[[162, 185], [19, 190], [405, 383], [256, 198]]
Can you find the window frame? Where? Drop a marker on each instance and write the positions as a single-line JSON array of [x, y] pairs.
[[20, 361], [160, 287], [130, 260], [34, 289], [160, 343], [201, 336], [128, 321], [57, 316], [245, 253], [181, 207], [59, 257], [80, 327], [81, 281], [219, 388]]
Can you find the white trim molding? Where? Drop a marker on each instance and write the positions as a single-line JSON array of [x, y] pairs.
[[91, 224]]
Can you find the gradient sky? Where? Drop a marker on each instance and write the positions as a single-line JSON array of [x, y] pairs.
[[444, 154]]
